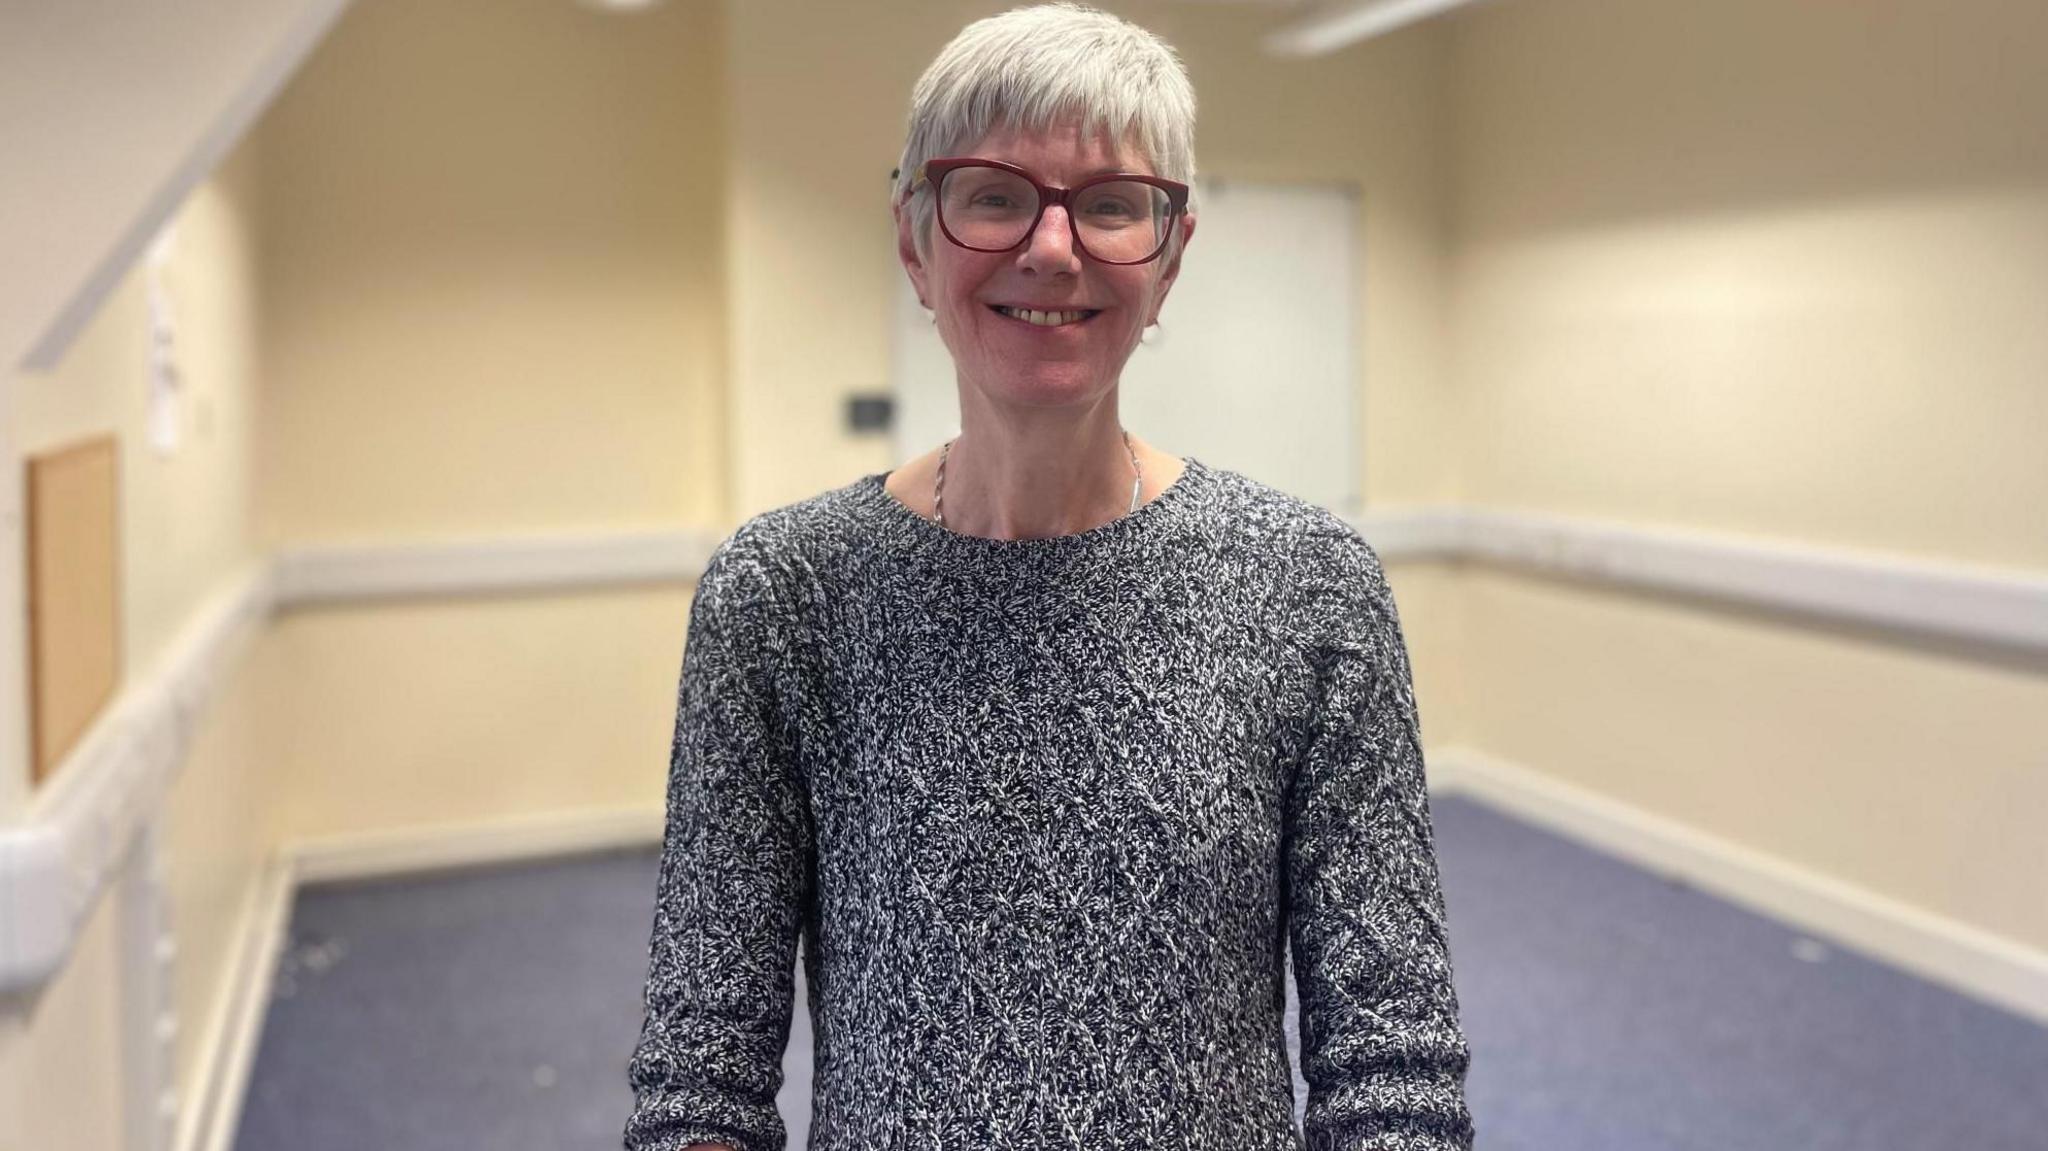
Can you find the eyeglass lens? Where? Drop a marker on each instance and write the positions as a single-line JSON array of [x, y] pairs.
[[1118, 221]]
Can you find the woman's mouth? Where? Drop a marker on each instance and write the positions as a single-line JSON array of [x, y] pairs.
[[1045, 319]]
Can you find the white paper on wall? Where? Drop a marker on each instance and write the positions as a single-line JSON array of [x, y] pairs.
[[163, 361]]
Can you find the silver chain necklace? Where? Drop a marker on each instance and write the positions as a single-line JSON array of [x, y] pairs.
[[939, 485]]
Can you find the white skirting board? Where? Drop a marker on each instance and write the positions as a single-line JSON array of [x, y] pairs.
[[1965, 959], [417, 850], [228, 1055], [241, 1000]]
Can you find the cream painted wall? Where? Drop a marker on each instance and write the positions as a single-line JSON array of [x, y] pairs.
[[465, 711], [492, 273], [185, 535], [495, 306], [1774, 269]]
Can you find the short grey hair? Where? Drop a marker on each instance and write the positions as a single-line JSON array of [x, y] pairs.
[[1030, 67]]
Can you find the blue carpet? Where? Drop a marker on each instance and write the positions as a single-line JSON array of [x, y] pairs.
[[1608, 1010]]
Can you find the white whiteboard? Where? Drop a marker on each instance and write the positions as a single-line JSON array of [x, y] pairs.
[[1255, 365]]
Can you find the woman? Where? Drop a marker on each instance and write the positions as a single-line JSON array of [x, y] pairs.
[[1049, 743]]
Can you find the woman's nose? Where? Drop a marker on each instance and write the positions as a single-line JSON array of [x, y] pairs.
[[1051, 248]]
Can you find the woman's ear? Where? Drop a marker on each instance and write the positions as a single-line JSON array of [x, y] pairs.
[[1172, 272], [906, 251]]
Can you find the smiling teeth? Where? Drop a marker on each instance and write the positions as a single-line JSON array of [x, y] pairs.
[[1043, 319]]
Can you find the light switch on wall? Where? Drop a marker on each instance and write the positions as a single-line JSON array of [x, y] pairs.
[[872, 412]]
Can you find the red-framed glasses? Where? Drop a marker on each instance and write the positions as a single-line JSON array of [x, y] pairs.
[[991, 206]]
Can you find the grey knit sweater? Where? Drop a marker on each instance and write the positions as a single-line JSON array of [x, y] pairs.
[[1046, 816]]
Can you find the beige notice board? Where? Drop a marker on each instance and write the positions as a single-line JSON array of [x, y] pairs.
[[74, 594]]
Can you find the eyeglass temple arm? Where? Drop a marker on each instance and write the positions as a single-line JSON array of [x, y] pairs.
[[915, 181]]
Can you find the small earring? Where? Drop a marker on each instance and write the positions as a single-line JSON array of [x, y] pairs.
[[1152, 334], [930, 317]]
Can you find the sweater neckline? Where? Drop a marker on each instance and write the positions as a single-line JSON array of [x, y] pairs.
[[927, 532]]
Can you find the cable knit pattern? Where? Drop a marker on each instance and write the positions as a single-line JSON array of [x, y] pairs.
[[1049, 817]]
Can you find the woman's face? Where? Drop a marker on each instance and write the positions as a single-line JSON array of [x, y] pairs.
[[1013, 359]]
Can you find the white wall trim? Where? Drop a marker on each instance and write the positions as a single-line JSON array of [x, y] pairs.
[[443, 847], [1912, 597], [1905, 595], [471, 567], [1956, 955]]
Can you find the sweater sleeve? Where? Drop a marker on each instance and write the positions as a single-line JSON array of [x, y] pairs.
[[1382, 1049], [733, 885]]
